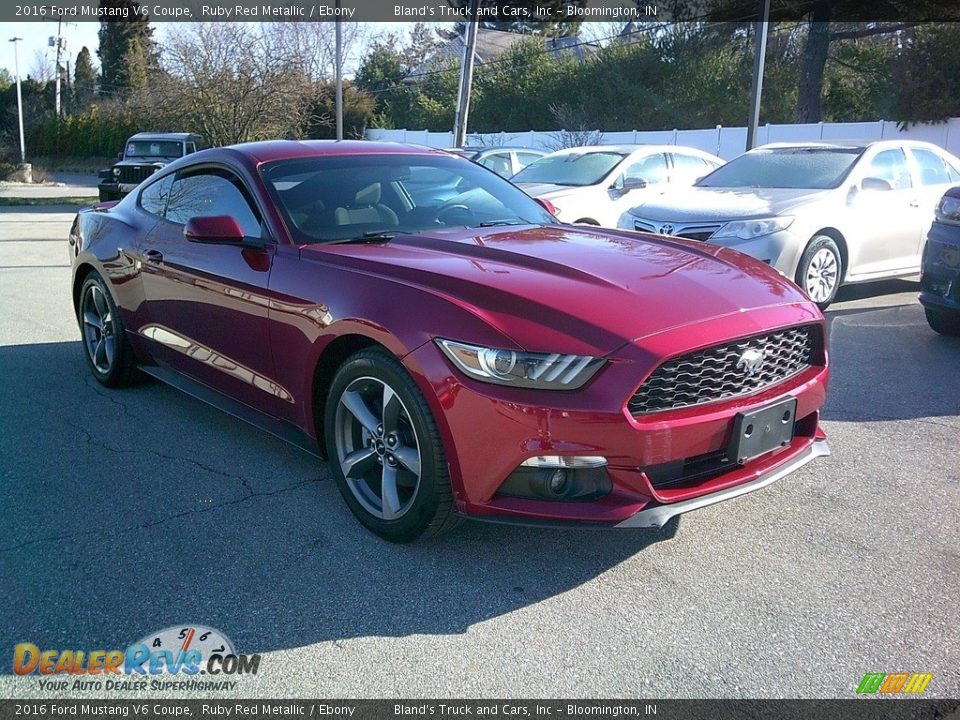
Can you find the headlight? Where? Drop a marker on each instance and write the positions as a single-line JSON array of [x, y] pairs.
[[948, 210], [521, 369], [749, 229], [116, 172]]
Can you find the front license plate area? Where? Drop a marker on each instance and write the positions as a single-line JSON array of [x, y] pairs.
[[760, 431]]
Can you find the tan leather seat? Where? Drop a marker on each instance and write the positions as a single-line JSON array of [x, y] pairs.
[[366, 208]]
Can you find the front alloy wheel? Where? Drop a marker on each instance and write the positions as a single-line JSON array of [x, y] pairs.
[[385, 450], [377, 448], [105, 345], [820, 270]]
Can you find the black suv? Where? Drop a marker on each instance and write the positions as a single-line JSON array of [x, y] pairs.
[[144, 154]]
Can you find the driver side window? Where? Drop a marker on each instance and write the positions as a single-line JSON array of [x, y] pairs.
[[652, 170], [212, 192]]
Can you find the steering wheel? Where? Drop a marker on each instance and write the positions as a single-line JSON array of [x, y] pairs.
[[453, 211]]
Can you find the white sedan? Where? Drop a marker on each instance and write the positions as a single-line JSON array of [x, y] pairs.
[[596, 185]]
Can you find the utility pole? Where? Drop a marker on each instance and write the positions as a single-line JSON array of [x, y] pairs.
[[57, 68], [466, 77], [759, 57], [16, 69], [339, 73]]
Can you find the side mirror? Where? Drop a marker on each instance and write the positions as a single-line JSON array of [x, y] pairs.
[[546, 205], [875, 183], [119, 156], [633, 183], [220, 229]]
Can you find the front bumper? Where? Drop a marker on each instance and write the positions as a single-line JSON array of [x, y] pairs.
[[659, 515], [781, 250], [488, 431], [940, 272]]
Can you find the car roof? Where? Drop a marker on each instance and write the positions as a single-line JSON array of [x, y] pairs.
[[629, 149], [163, 136], [269, 150], [494, 148], [850, 144]]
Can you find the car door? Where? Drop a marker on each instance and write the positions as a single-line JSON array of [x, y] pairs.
[[686, 169], [886, 215], [499, 162], [650, 171], [207, 302], [522, 159], [934, 175]]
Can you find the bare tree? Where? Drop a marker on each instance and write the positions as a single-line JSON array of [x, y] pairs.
[[231, 83], [312, 45], [575, 133]]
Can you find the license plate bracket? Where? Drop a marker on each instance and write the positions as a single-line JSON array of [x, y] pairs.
[[759, 431]]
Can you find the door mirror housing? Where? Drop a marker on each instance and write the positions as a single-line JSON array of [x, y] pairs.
[[220, 229], [633, 183], [875, 183]]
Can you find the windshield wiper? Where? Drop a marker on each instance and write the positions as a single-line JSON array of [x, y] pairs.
[[492, 223], [373, 236]]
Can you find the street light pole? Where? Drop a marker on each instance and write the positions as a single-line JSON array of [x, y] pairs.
[[466, 76], [16, 69], [339, 72], [756, 86]]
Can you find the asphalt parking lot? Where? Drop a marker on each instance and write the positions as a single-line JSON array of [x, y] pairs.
[[125, 512]]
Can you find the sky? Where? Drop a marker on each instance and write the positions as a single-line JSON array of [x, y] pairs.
[[35, 36], [35, 50]]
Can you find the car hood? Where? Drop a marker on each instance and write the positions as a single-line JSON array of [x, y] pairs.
[[549, 190], [705, 204], [144, 161], [571, 288]]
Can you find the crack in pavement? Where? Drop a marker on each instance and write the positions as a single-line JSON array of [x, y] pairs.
[[161, 521], [251, 494]]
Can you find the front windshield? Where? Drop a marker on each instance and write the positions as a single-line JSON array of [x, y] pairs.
[[346, 197], [814, 168], [154, 148], [577, 169]]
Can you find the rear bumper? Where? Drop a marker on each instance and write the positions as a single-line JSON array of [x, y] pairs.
[[659, 515]]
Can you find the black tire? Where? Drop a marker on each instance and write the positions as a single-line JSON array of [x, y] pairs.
[[815, 272], [107, 195], [114, 367], [428, 506], [944, 322]]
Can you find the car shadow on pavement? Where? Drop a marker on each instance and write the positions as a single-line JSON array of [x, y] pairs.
[[125, 512]]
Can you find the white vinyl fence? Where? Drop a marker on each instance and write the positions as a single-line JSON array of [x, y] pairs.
[[727, 142]]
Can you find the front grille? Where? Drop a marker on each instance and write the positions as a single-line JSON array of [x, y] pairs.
[[721, 372], [702, 236], [135, 174]]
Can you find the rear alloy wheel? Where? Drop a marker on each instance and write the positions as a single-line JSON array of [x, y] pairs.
[[943, 321], [820, 270], [385, 450], [105, 344]]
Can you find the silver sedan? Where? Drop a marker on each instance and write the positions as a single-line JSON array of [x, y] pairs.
[[824, 214]]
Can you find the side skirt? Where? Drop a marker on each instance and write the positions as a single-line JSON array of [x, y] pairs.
[[278, 428]]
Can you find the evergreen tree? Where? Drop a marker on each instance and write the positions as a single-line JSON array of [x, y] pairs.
[[84, 81], [123, 40]]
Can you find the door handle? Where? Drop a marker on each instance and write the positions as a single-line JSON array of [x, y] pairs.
[[914, 203], [153, 256]]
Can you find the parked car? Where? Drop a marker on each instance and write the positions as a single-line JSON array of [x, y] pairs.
[[596, 185], [473, 358], [144, 154], [824, 214], [504, 161], [940, 269]]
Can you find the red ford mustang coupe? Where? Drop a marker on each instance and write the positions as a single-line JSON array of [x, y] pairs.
[[448, 345]]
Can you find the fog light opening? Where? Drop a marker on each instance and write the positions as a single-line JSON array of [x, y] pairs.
[[560, 478]]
